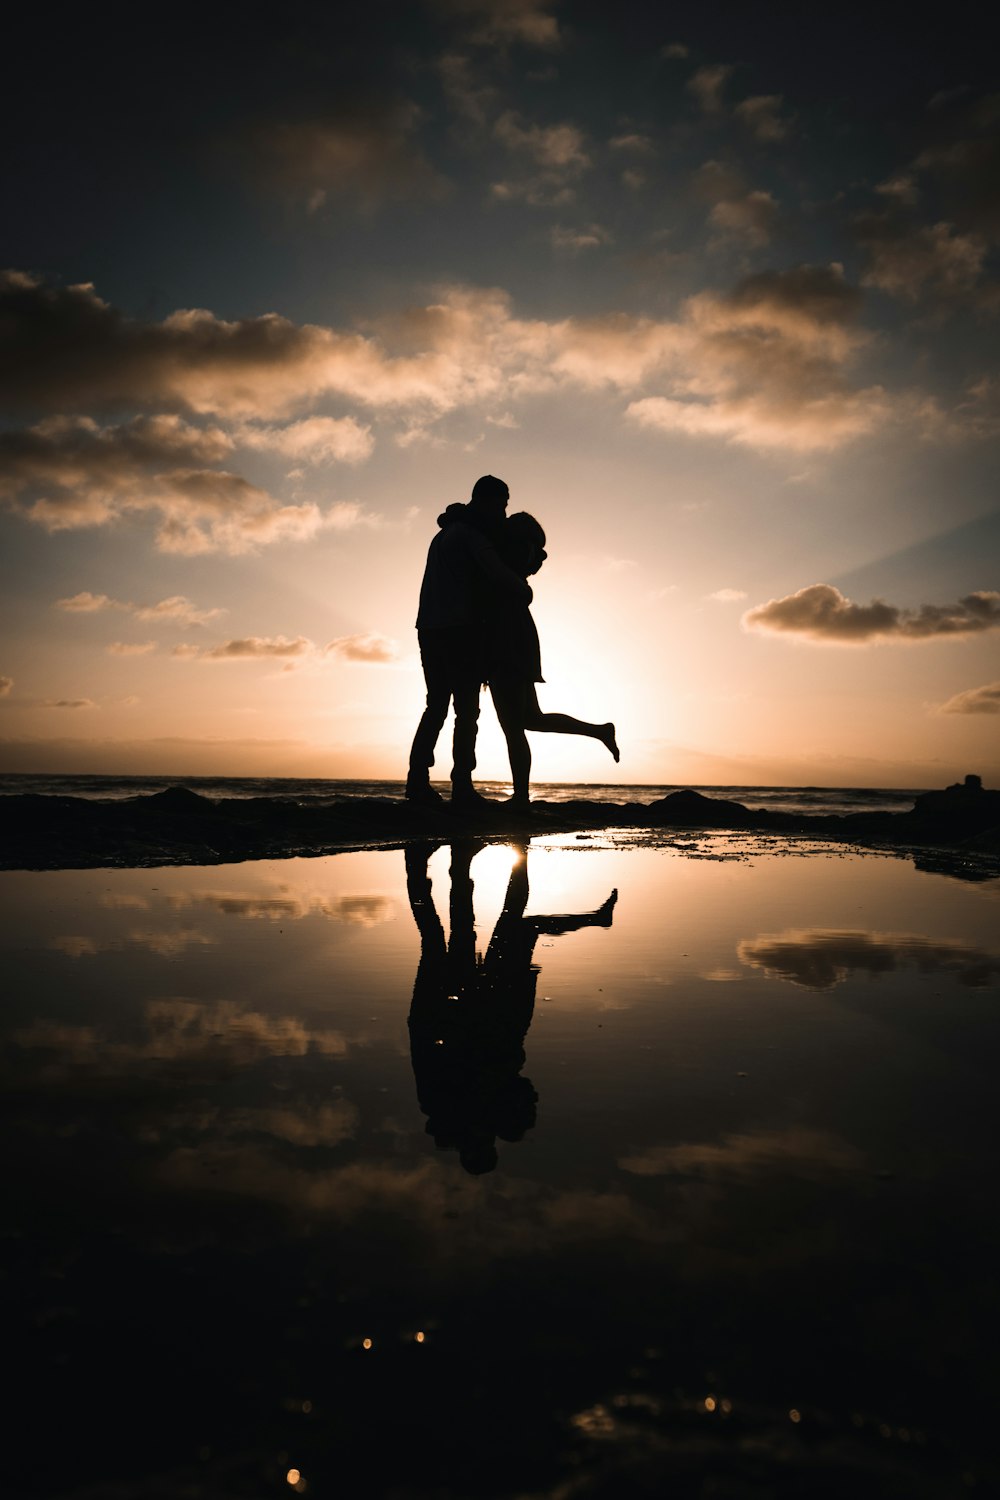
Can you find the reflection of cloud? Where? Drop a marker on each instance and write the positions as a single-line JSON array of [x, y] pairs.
[[977, 700], [820, 959], [288, 905], [301, 1125], [187, 1031], [6, 683], [166, 943], [820, 612], [813, 1154]]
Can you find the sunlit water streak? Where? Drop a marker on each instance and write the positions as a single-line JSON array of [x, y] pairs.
[[674, 1156]]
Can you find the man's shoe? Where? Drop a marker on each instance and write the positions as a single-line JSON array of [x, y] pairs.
[[423, 793]]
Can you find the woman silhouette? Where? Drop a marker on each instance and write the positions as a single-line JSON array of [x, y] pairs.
[[514, 661]]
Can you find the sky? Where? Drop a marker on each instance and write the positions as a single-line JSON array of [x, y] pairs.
[[712, 287]]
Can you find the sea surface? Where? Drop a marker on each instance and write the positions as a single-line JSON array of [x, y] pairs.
[[321, 792], [572, 1169]]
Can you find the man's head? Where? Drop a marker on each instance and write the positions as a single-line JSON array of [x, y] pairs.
[[489, 497]]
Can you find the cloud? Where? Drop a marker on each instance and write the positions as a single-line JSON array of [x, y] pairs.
[[911, 262], [820, 958], [366, 648], [633, 141], [822, 613], [249, 648], [761, 114], [367, 155], [489, 23], [312, 440], [467, 94], [978, 700], [131, 648], [68, 472], [727, 596], [708, 85], [675, 50], [176, 609], [765, 365], [572, 241], [556, 152], [67, 703], [6, 683], [752, 218]]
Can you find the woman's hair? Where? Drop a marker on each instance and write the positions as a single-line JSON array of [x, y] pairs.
[[522, 540]]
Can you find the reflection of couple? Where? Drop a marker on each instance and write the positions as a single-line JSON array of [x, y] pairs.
[[470, 1015], [474, 626]]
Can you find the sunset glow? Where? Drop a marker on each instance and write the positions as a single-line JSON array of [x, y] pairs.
[[724, 322]]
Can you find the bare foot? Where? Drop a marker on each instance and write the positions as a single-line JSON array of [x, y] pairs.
[[608, 738]]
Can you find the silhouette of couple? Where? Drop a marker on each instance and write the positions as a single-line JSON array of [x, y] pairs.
[[470, 1015], [474, 626]]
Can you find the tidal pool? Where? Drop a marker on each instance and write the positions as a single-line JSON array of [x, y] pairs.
[[575, 1170]]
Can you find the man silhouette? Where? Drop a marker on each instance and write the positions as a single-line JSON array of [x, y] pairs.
[[462, 565]]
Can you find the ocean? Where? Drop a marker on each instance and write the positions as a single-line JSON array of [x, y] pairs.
[[321, 792]]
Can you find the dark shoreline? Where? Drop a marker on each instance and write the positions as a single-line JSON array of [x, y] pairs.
[[957, 829]]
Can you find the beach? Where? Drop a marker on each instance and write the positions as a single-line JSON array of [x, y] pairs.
[[605, 1162]]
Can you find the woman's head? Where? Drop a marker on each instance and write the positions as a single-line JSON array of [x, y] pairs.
[[522, 543]]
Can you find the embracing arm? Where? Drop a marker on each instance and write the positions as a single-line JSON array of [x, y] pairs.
[[487, 559]]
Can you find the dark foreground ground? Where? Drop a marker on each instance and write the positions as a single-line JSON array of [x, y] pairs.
[[957, 829]]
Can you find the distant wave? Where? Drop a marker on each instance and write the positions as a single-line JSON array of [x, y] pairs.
[[319, 791]]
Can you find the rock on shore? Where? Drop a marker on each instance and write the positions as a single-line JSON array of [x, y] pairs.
[[180, 827]]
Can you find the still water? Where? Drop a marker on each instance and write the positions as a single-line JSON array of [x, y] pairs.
[[584, 1169]]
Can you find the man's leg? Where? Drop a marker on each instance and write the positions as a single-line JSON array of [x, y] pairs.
[[466, 695], [438, 680]]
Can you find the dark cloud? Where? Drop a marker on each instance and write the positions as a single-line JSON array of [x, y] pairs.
[[819, 959], [762, 116], [367, 156], [977, 700], [822, 613], [498, 23], [914, 262], [708, 86]]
